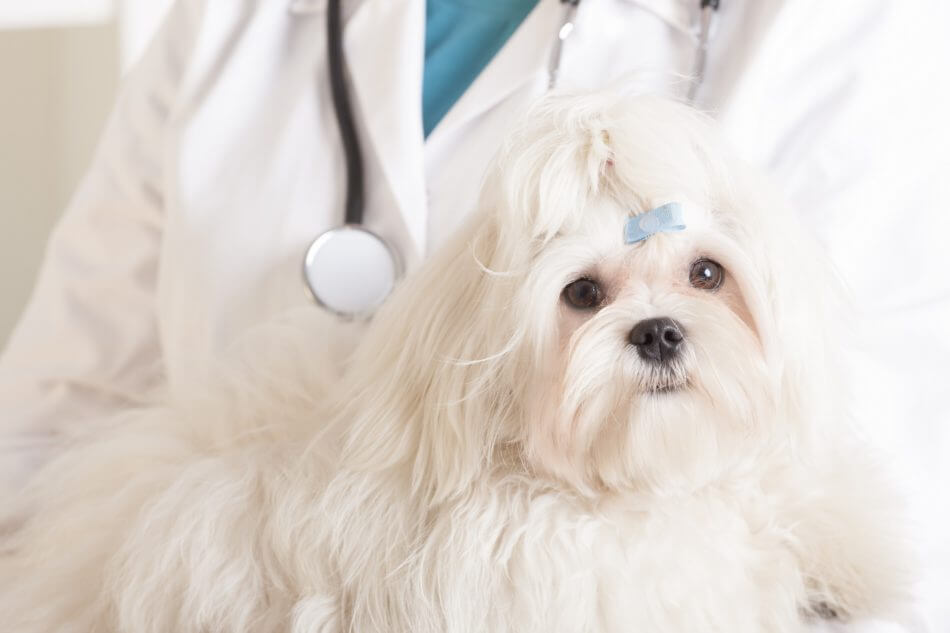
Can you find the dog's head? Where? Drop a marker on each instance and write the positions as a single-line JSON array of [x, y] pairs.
[[546, 336]]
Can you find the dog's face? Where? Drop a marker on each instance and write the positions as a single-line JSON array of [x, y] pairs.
[[652, 358], [541, 337]]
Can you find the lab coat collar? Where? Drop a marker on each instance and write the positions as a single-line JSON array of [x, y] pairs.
[[384, 46]]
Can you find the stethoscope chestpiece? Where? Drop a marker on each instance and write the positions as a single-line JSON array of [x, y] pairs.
[[350, 270]]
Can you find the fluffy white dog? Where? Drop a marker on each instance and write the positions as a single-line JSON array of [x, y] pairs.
[[577, 416]]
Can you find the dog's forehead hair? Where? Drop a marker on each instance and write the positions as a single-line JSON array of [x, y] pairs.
[[603, 231]]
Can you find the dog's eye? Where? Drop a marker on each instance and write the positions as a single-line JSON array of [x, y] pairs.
[[583, 294], [706, 274]]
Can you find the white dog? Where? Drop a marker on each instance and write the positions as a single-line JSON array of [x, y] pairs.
[[580, 415]]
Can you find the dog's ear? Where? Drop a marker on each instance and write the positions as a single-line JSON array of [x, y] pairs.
[[798, 304], [422, 395]]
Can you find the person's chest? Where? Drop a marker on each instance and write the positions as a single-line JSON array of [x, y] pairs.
[[255, 169]]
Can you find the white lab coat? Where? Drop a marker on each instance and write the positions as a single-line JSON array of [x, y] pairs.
[[222, 161]]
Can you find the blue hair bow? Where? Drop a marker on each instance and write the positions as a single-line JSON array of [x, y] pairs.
[[668, 217]]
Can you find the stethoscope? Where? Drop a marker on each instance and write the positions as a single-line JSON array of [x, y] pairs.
[[350, 270]]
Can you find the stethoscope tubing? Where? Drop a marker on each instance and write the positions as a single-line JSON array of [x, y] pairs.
[[344, 116], [563, 32], [707, 9]]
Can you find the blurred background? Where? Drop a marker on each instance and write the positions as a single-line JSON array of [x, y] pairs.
[[60, 64]]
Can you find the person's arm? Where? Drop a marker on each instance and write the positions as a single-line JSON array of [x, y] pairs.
[[87, 343]]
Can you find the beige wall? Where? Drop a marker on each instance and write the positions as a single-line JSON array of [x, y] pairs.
[[56, 87]]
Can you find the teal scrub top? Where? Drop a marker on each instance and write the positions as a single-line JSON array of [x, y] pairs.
[[462, 36]]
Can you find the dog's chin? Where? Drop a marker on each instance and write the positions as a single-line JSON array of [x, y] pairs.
[[667, 389], [664, 382]]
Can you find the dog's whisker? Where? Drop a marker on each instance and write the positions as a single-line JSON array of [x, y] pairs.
[[493, 273]]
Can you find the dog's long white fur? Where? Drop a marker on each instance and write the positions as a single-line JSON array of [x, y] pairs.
[[490, 460]]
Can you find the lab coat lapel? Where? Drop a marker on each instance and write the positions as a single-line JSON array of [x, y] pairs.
[[384, 47], [524, 55]]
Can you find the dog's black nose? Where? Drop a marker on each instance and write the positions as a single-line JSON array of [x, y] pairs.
[[657, 340]]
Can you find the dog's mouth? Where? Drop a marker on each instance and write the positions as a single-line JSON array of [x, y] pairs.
[[669, 388], [664, 380]]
